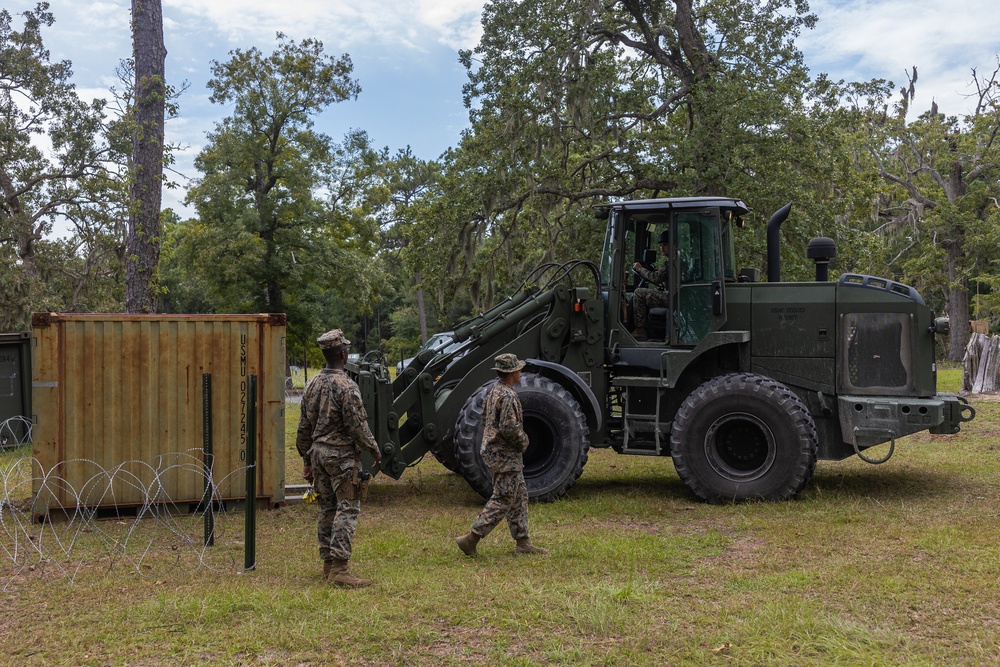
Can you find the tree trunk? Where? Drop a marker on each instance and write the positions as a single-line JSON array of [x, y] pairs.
[[957, 303], [143, 243], [421, 311], [981, 365], [957, 298]]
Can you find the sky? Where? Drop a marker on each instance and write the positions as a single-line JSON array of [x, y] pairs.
[[405, 55]]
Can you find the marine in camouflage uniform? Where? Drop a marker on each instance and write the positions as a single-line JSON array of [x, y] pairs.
[[646, 297], [504, 444], [333, 431]]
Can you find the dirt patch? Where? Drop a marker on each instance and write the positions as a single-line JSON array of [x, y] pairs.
[[742, 554]]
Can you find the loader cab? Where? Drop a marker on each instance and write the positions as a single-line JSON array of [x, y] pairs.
[[699, 261]]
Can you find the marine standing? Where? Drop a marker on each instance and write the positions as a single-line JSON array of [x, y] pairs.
[[333, 431], [504, 444]]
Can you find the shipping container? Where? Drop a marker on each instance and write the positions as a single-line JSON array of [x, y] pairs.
[[119, 403], [15, 388]]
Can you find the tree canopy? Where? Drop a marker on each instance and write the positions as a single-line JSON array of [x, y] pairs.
[[570, 105], [941, 210], [280, 212], [55, 162]]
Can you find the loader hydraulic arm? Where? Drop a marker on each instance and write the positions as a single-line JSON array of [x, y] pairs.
[[432, 390]]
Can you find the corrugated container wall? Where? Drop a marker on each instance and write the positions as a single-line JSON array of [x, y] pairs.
[[119, 407]]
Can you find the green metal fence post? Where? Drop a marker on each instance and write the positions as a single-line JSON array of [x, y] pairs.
[[208, 499], [250, 530]]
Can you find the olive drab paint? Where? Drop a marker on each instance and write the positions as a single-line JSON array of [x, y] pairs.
[[743, 384]]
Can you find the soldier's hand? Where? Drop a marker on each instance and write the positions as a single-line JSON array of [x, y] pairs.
[[307, 474]]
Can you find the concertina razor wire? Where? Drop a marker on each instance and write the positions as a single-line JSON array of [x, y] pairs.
[[89, 532]]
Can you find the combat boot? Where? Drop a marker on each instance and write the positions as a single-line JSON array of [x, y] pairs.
[[524, 546], [339, 575], [639, 333], [327, 566], [467, 543]]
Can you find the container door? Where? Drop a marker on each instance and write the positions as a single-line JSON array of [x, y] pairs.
[[15, 375]]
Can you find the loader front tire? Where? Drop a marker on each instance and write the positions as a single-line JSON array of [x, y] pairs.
[[743, 437], [558, 436]]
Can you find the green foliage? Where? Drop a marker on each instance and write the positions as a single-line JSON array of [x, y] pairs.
[[405, 340], [576, 104], [74, 180], [282, 215], [939, 210], [570, 105]]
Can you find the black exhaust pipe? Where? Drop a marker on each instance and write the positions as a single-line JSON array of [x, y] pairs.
[[774, 243]]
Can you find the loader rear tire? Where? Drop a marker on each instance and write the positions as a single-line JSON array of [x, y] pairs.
[[558, 435], [744, 437]]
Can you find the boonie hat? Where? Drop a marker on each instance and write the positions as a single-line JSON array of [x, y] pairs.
[[332, 338], [507, 363]]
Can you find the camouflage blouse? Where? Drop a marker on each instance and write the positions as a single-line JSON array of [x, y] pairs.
[[656, 276], [333, 415], [504, 439]]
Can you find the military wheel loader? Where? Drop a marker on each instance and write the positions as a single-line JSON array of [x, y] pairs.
[[745, 384]]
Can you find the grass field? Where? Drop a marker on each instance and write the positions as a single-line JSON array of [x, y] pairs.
[[876, 565]]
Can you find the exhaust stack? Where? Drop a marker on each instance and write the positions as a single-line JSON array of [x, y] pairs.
[[774, 243]]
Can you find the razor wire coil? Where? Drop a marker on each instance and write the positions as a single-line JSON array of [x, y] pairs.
[[48, 525]]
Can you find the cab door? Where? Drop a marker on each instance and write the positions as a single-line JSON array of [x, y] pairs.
[[699, 303]]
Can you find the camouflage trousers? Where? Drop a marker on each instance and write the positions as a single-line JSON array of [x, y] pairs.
[[645, 299], [337, 519], [510, 500]]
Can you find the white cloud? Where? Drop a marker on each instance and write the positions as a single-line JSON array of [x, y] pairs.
[[88, 94], [457, 21], [343, 24], [104, 14], [944, 40]]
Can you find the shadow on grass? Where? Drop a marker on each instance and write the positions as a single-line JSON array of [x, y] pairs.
[[883, 485], [662, 487], [831, 483], [432, 484], [609, 478]]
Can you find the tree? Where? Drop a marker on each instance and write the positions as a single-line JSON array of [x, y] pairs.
[[945, 170], [282, 210], [146, 163], [38, 102], [575, 104], [409, 182], [265, 158]]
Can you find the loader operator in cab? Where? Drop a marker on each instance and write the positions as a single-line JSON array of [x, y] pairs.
[[646, 297]]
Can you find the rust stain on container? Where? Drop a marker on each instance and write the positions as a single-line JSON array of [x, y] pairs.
[[119, 406]]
